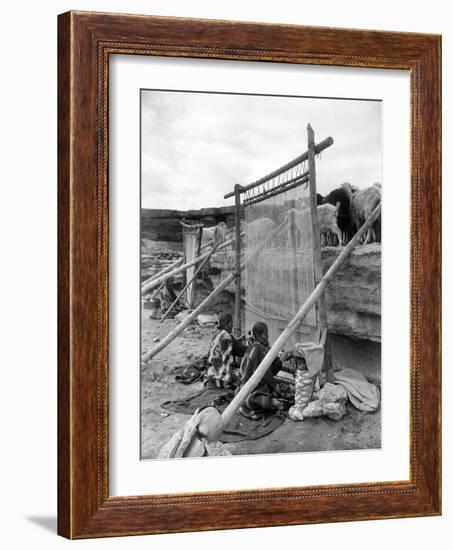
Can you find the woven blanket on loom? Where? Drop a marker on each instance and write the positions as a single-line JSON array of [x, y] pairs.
[[281, 276], [239, 428]]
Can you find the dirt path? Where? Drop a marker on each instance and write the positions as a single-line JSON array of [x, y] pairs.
[[356, 430]]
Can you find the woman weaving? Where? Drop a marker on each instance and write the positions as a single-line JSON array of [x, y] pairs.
[[269, 396]]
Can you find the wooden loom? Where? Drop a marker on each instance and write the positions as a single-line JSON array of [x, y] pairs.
[[299, 172], [287, 177]]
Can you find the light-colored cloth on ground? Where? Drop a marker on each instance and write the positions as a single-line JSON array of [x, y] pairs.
[[362, 394]]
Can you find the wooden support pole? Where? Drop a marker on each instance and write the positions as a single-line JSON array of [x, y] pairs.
[[288, 185], [186, 322], [317, 261], [298, 160], [191, 240], [174, 265], [163, 271], [209, 244], [237, 246], [319, 290], [158, 289], [294, 262], [192, 280], [156, 282]]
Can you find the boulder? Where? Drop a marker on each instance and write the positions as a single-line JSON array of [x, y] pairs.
[[205, 320], [156, 370], [334, 411], [354, 295], [329, 401], [331, 393]]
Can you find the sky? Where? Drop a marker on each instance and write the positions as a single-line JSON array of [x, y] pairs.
[[197, 146]]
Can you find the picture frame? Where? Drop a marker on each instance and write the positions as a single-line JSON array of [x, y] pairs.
[[85, 42]]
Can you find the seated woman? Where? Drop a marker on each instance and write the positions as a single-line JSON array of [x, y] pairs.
[[268, 395], [222, 369]]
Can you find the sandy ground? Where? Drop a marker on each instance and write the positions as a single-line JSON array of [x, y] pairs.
[[356, 430]]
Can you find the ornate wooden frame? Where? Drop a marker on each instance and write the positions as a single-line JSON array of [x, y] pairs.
[[85, 41]]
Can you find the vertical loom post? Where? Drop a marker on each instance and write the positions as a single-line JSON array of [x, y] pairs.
[[197, 266], [191, 246], [294, 266], [237, 290], [317, 261]]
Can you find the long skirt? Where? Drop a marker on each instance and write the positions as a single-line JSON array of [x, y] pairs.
[[263, 401]]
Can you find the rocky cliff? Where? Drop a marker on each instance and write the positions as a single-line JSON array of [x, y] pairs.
[[163, 225], [353, 297]]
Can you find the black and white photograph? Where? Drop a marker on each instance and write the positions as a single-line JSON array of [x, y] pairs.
[[260, 272], [233, 217]]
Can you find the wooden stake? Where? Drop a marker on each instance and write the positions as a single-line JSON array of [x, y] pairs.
[[256, 377], [317, 260]]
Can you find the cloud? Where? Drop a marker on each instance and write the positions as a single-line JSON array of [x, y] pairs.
[[196, 146]]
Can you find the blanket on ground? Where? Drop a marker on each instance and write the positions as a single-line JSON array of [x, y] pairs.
[[193, 373], [239, 428], [362, 394]]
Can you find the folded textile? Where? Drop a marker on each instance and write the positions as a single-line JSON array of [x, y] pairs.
[[312, 353], [361, 393]]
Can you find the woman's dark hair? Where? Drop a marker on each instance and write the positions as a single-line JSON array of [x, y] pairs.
[[224, 320], [259, 329]]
